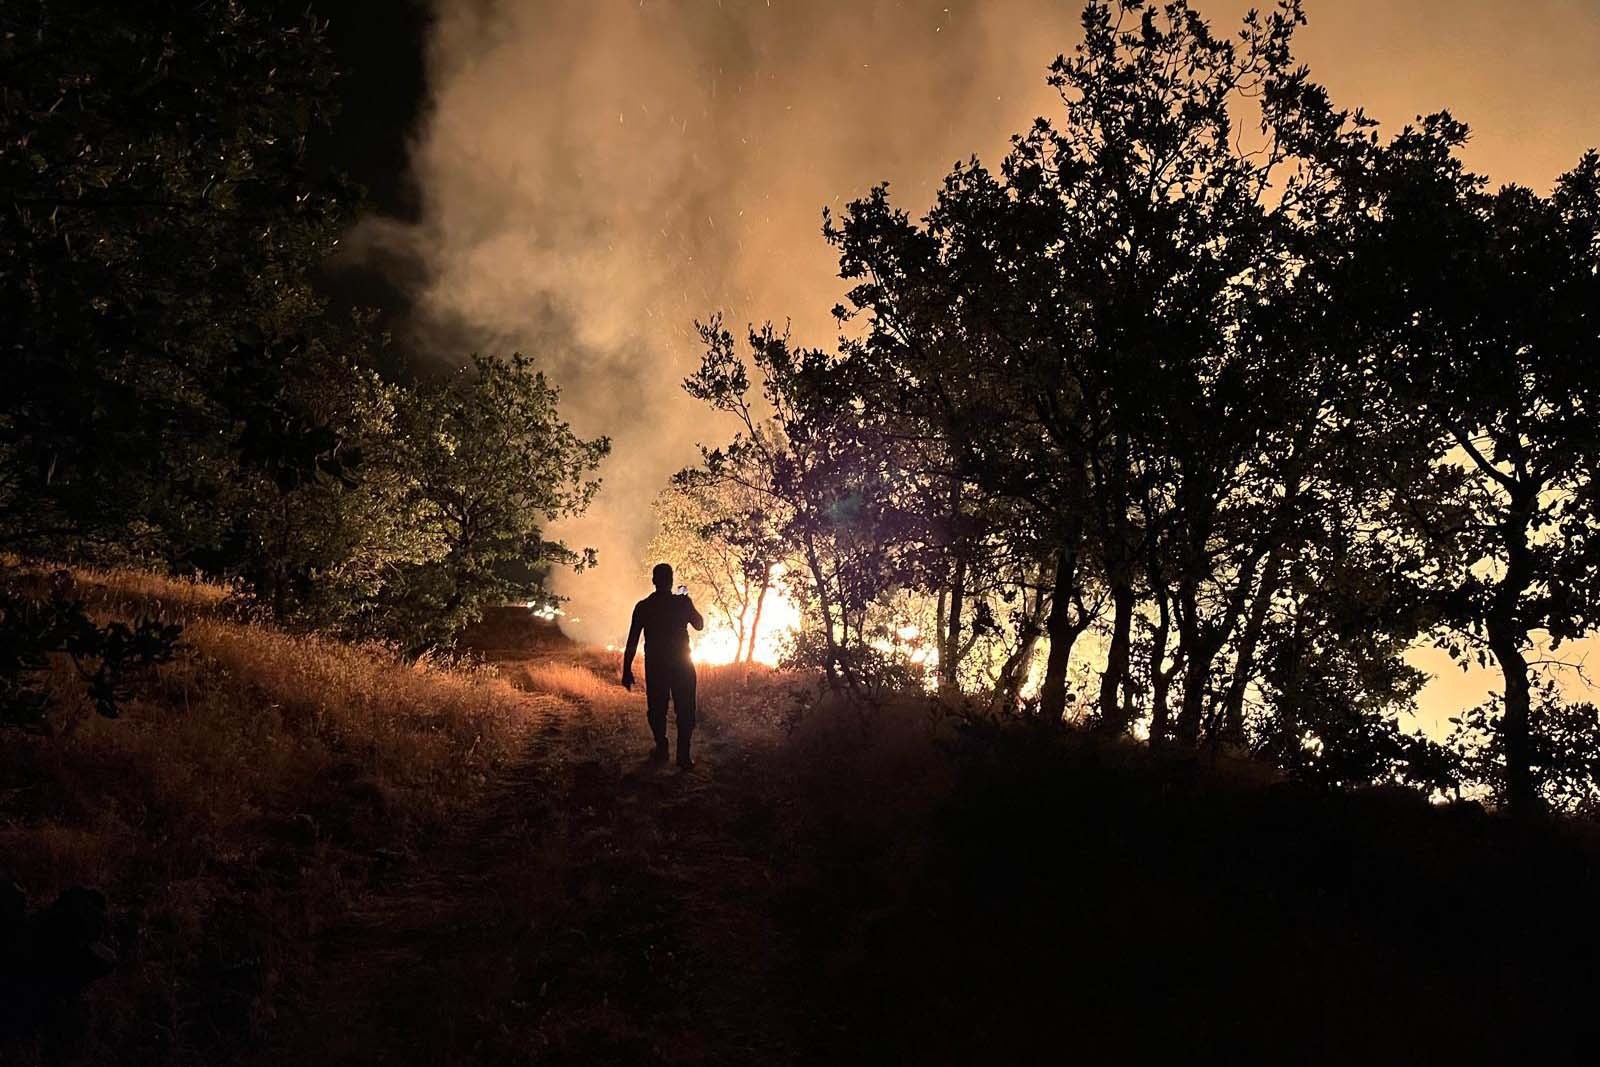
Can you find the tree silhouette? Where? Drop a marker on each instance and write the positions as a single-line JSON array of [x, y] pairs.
[[161, 229], [1491, 347], [1210, 369]]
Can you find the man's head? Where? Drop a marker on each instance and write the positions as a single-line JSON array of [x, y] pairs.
[[662, 576]]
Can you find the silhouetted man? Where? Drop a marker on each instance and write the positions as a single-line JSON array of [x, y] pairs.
[[665, 618]]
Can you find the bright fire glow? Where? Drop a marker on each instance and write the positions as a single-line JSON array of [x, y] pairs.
[[720, 641]]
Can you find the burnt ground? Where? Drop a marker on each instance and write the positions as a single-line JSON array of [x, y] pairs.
[[853, 896]]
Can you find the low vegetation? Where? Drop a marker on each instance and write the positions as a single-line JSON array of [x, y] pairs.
[[250, 786], [920, 881]]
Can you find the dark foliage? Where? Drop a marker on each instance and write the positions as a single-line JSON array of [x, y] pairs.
[[34, 627], [48, 957], [1183, 913], [157, 238], [1209, 370], [180, 394]]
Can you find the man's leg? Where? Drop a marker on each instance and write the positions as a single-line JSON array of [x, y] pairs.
[[657, 687], [683, 703]]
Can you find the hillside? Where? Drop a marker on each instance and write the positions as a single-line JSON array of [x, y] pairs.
[[318, 854]]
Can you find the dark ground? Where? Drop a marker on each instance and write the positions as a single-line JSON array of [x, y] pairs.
[[838, 897], [597, 910]]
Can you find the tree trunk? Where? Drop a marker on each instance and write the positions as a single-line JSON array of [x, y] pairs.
[[1507, 637], [950, 653], [1192, 712], [1244, 664], [1196, 667], [1160, 680], [1063, 634], [1203, 648], [840, 677], [1014, 672], [1203, 642], [1521, 798], [1113, 715], [761, 599]]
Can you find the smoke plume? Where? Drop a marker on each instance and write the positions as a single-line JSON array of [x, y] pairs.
[[595, 174]]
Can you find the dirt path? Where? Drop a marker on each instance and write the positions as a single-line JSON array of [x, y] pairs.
[[594, 909]]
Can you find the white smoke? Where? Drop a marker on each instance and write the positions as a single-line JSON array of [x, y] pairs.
[[595, 174]]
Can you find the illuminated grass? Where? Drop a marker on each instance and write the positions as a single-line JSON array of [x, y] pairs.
[[245, 791]]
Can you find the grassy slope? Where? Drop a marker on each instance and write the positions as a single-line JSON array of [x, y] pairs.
[[252, 787], [495, 877]]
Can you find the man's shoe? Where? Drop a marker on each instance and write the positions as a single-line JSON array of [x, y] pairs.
[[659, 753], [685, 763]]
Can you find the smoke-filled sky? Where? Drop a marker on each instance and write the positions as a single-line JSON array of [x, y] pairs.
[[591, 175]]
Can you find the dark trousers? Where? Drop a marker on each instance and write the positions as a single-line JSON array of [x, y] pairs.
[[669, 678]]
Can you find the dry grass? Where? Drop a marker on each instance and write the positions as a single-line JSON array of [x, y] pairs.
[[824, 868], [127, 593], [250, 787], [576, 681], [755, 701], [259, 783], [429, 729]]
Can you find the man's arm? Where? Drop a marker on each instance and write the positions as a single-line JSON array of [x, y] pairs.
[[694, 615], [632, 649]]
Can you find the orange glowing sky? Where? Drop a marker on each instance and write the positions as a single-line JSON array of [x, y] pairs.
[[594, 174]]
